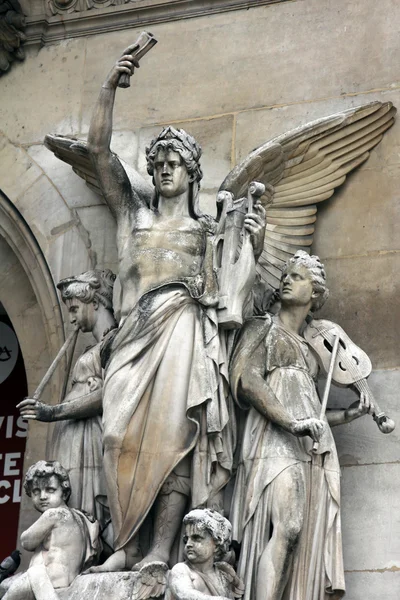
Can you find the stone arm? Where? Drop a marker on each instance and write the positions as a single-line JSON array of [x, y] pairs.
[[357, 409], [37, 533], [254, 389], [115, 183], [181, 585], [89, 405]]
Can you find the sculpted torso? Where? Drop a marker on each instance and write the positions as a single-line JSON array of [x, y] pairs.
[[61, 551], [155, 250]]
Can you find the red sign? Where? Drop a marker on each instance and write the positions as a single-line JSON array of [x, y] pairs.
[[13, 432]]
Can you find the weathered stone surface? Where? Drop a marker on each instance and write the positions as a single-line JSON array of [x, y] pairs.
[[71, 187], [69, 253], [17, 170], [30, 111], [361, 442], [371, 506], [288, 43], [370, 586], [44, 210], [101, 230], [104, 586], [364, 301]]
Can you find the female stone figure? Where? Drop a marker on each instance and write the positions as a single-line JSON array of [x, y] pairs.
[[77, 438], [286, 503]]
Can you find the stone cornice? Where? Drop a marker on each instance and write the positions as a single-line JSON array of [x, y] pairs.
[[46, 29]]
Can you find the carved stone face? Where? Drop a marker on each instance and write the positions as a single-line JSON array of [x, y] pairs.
[[296, 286], [47, 493], [170, 174], [81, 314], [199, 545]]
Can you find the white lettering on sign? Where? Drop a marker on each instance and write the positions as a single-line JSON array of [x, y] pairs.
[[16, 491], [6, 497], [10, 423], [8, 462]]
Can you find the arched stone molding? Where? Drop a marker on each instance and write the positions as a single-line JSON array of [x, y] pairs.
[[28, 294]]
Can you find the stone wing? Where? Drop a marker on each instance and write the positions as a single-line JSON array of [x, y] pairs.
[[305, 166], [151, 581], [75, 153]]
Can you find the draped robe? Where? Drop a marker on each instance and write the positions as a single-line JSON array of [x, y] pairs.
[[267, 450], [164, 395]]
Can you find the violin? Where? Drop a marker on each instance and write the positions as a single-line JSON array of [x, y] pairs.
[[352, 366]]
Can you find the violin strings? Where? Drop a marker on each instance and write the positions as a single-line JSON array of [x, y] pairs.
[[360, 384]]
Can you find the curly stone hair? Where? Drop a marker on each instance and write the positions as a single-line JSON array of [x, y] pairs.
[[215, 524], [189, 150], [181, 142], [47, 469], [317, 274], [88, 286]]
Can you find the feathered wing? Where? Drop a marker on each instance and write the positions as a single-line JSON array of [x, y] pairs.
[[75, 153], [305, 166], [151, 581]]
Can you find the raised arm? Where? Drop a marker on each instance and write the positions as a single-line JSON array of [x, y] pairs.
[[115, 183], [254, 389], [84, 407]]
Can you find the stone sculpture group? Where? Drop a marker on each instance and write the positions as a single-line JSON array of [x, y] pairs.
[[214, 328]]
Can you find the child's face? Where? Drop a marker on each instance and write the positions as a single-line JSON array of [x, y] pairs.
[[199, 545], [47, 493]]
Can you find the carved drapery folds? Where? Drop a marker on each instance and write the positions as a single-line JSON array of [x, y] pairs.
[[12, 25], [69, 6]]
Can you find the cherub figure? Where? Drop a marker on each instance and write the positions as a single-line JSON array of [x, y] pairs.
[[64, 541], [206, 540]]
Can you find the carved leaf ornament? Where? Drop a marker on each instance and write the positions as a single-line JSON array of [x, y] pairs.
[[305, 166], [62, 6], [12, 25]]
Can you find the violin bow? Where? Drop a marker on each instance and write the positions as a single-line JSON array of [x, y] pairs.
[[324, 402]]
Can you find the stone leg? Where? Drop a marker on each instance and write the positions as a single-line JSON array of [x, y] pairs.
[[19, 588], [288, 508], [169, 512]]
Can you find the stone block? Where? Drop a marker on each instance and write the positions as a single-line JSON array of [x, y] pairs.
[[71, 187], [104, 586], [361, 442], [17, 170], [371, 517], [215, 138], [44, 210], [69, 254], [42, 94], [364, 301], [125, 144], [248, 59], [370, 586]]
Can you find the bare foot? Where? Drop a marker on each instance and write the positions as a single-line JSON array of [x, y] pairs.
[[116, 562], [151, 557]]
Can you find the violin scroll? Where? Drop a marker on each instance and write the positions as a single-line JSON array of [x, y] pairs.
[[385, 424]]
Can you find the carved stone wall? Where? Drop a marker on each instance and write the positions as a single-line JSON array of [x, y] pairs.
[[234, 80], [12, 36]]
